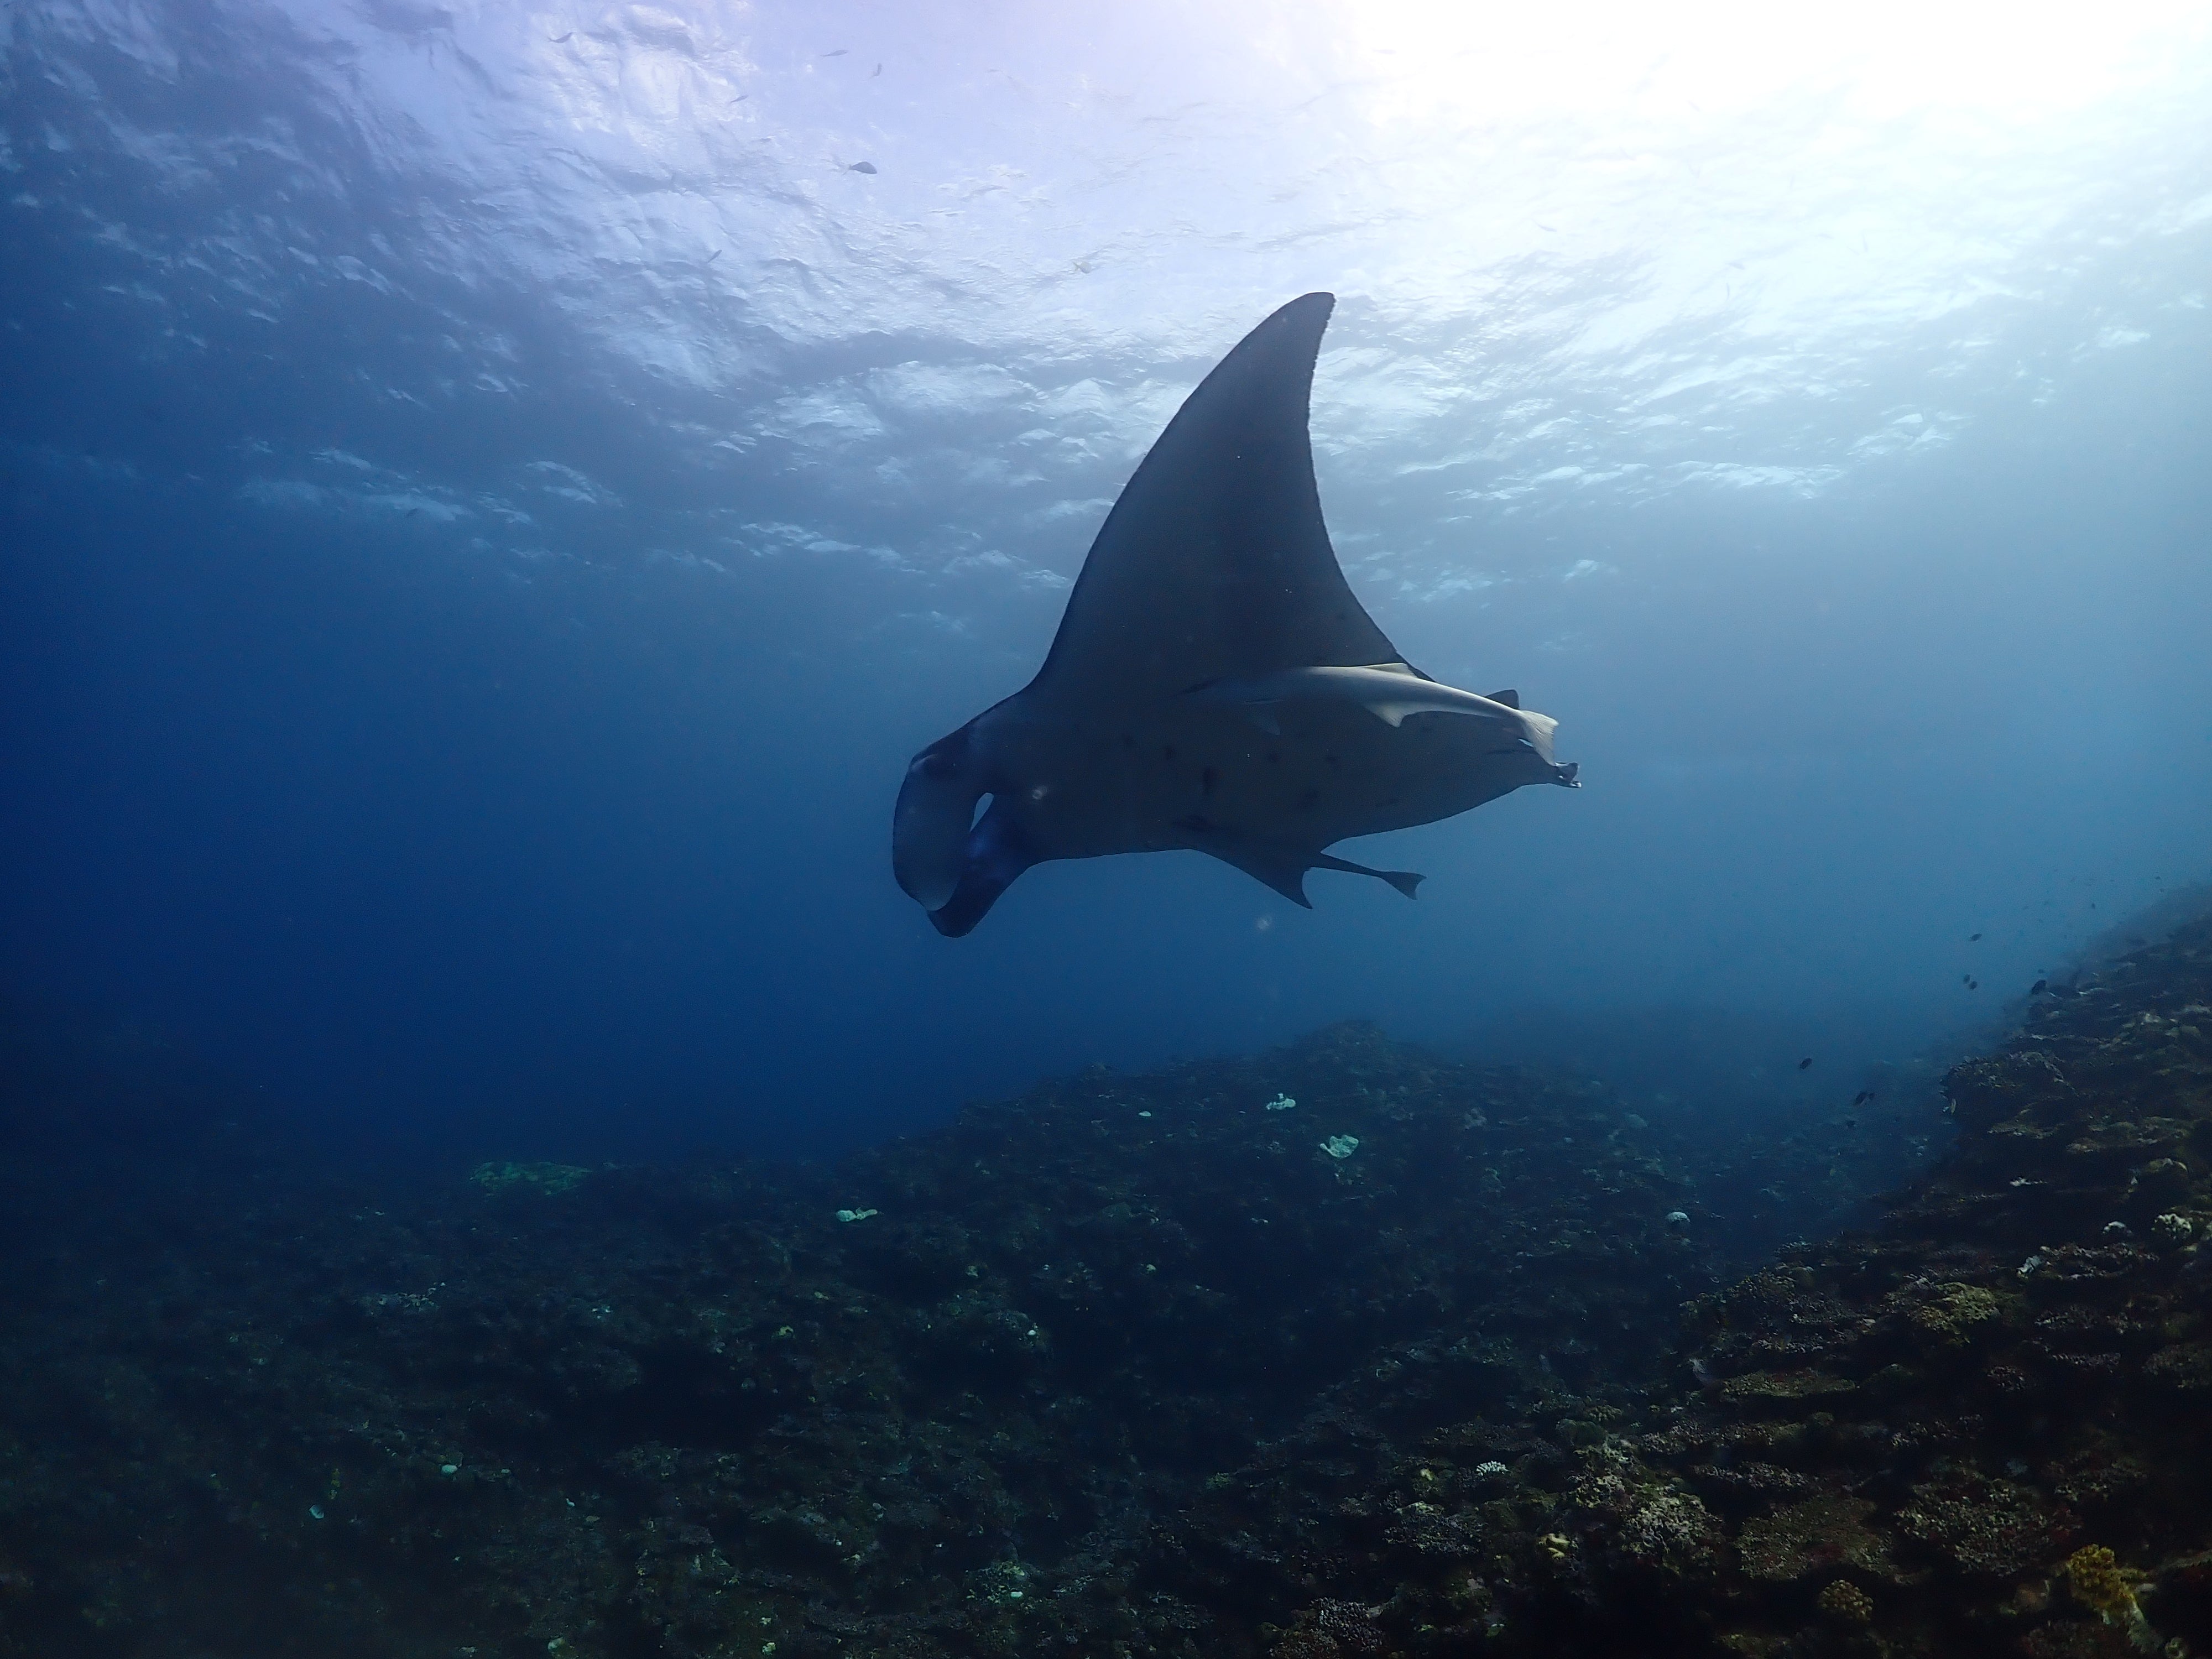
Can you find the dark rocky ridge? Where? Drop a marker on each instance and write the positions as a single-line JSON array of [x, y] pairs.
[[1980, 1428], [1135, 1365]]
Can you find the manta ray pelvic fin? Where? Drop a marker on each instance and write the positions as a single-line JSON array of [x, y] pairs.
[[1283, 868]]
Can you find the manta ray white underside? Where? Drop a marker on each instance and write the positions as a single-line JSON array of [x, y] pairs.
[[1214, 685]]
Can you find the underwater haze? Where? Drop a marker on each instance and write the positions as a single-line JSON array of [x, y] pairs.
[[494, 495]]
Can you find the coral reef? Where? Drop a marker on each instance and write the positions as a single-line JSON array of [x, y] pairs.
[[1941, 1436], [1138, 1366], [1846, 1604], [931, 1400]]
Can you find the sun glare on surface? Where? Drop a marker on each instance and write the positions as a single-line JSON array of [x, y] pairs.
[[1631, 63]]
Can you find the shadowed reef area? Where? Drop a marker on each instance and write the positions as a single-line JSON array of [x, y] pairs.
[[1339, 1352]]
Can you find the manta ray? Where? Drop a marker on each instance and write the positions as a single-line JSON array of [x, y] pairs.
[[1214, 686]]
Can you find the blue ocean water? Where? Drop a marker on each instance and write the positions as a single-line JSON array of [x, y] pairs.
[[493, 495]]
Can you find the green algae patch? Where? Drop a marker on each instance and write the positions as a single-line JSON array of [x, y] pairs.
[[547, 1180], [1785, 1386], [1990, 1528], [1821, 1533], [1951, 1318]]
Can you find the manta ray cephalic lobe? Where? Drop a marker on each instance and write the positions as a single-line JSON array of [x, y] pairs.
[[1214, 685]]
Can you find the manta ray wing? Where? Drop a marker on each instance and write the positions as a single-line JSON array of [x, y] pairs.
[[1215, 562]]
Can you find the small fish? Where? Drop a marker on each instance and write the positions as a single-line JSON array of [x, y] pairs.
[[840, 52], [1862, 1097], [1806, 1064], [1966, 979], [1851, 1123], [874, 72], [1972, 938], [1973, 984], [741, 98], [715, 255], [561, 40], [862, 166]]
